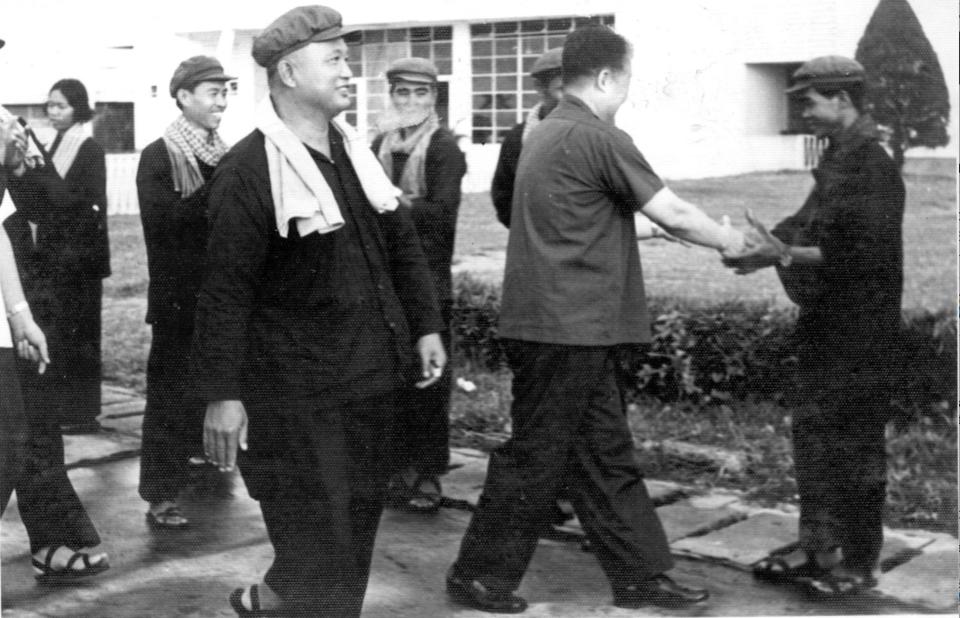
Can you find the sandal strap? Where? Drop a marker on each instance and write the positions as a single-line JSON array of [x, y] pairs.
[[48, 561], [77, 556], [254, 598]]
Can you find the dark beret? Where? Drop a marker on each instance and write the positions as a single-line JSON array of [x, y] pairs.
[[295, 29], [418, 70], [827, 72], [197, 69]]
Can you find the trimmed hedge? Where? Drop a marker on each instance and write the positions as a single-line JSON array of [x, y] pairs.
[[732, 350]]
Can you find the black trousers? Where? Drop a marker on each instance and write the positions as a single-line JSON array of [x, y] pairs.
[[13, 426], [320, 472], [70, 315], [839, 452], [569, 425], [49, 506], [422, 429], [173, 419]]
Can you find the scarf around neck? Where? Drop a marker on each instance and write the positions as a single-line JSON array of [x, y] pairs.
[[186, 143], [413, 181], [300, 192], [68, 147]]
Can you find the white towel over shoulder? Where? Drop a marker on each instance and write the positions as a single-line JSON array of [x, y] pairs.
[[298, 188]]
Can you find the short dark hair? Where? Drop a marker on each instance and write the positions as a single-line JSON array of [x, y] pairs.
[[854, 90], [75, 93], [590, 49]]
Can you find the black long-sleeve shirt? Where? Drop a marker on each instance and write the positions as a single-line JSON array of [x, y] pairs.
[[435, 214], [501, 188], [327, 316], [71, 218], [175, 231]]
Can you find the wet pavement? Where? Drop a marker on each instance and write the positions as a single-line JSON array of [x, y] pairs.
[[191, 572]]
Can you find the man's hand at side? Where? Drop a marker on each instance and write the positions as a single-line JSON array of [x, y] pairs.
[[433, 359], [224, 428]]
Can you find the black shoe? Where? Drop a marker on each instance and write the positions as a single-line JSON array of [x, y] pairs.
[[661, 591], [474, 594]]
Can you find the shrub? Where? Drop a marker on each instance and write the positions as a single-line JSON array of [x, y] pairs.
[[704, 354]]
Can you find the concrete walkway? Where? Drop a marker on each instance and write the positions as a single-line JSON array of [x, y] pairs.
[[716, 538]]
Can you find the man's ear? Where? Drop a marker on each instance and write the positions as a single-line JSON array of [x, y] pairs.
[[602, 79], [182, 95], [285, 71]]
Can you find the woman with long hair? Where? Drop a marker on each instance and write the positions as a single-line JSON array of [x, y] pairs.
[[60, 237]]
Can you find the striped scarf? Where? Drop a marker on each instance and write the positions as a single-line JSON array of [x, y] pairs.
[[186, 143], [413, 181]]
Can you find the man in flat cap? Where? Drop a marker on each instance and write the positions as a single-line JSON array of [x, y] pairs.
[[573, 304], [840, 258], [546, 77], [423, 159], [172, 188], [317, 306]]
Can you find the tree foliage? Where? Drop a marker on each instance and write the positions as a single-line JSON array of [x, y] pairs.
[[906, 92]]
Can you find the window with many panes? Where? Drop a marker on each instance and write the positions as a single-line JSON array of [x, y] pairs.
[[502, 56], [371, 53]]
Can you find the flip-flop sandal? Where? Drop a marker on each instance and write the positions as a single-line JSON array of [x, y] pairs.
[[44, 571], [170, 518], [432, 500], [775, 568], [833, 584], [255, 611]]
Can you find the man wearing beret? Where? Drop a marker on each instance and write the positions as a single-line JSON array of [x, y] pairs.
[[423, 159], [546, 76], [172, 188], [840, 258], [316, 307]]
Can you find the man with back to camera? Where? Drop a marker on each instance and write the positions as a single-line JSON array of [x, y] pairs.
[[316, 287], [172, 189], [572, 298]]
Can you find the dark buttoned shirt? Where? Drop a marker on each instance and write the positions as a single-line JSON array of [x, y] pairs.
[[573, 271], [326, 316]]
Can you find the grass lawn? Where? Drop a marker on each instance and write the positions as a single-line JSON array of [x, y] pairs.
[[923, 472]]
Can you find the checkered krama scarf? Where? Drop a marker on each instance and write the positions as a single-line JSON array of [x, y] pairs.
[[186, 142]]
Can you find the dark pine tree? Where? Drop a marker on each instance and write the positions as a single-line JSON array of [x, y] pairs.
[[906, 92]]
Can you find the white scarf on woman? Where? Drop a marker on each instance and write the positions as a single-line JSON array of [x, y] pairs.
[[69, 146]]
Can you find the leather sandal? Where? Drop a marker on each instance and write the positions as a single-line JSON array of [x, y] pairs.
[[420, 501], [170, 518], [255, 611], [45, 572], [776, 569], [841, 584]]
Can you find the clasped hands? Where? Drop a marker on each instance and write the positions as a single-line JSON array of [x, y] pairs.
[[759, 249]]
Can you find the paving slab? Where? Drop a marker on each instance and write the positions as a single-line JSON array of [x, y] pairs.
[[129, 407], [113, 394], [743, 543], [87, 449], [928, 580], [130, 424], [683, 519], [901, 546]]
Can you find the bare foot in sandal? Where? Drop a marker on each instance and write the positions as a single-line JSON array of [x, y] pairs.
[[60, 563]]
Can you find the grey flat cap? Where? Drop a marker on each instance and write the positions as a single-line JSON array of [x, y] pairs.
[[295, 29], [549, 61], [827, 72], [197, 69], [417, 70]]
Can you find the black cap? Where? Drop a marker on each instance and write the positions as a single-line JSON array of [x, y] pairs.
[[827, 72], [295, 29], [197, 69], [548, 62]]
